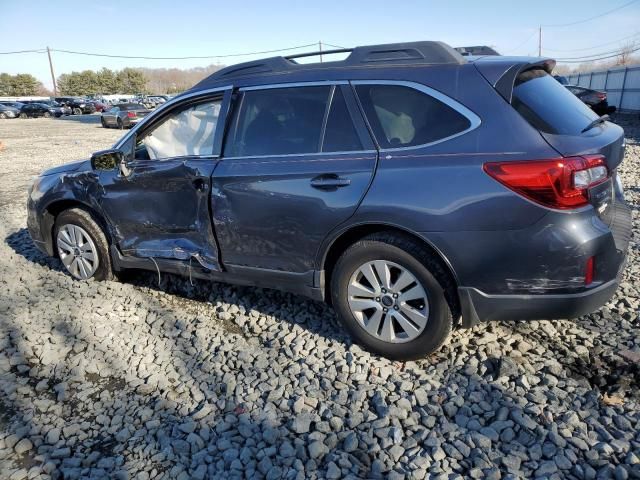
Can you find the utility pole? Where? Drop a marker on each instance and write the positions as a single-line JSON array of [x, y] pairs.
[[53, 77], [320, 47], [540, 41]]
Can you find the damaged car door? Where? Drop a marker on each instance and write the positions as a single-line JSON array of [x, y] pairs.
[[157, 201]]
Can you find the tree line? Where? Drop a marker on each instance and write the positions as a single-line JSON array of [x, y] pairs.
[[20, 85], [108, 82]]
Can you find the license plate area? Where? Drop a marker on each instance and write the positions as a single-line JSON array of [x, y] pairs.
[[601, 197]]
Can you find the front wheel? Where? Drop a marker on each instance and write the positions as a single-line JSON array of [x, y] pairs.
[[77, 111], [47, 115], [3, 115], [82, 245], [386, 291], [24, 115], [104, 124]]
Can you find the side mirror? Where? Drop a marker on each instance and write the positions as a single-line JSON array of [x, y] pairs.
[[107, 160]]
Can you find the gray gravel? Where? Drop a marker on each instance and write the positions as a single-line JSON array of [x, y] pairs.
[[132, 380]]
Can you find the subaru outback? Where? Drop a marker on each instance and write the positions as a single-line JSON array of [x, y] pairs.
[[412, 188]]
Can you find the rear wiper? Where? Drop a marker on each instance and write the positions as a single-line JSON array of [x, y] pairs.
[[597, 121]]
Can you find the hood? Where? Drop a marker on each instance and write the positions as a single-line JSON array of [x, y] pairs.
[[68, 167]]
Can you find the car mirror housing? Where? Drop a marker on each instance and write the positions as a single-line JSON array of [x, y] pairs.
[[107, 159]]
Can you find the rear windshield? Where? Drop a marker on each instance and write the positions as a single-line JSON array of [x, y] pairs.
[[548, 106], [131, 106]]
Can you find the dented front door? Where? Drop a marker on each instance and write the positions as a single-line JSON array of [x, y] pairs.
[[158, 208]]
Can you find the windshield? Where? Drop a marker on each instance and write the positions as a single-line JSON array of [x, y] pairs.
[[548, 106]]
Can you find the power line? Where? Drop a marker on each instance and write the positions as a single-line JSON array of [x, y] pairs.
[[615, 52], [595, 46], [592, 18], [24, 51], [523, 43], [334, 46], [598, 59], [91, 54]]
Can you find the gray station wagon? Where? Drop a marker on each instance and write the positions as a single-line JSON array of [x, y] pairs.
[[414, 189]]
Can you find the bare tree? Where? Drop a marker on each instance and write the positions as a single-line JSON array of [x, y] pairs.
[[624, 57]]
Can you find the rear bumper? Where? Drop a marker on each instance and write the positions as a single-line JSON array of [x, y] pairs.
[[478, 306], [611, 258]]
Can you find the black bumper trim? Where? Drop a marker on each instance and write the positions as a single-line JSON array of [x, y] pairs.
[[478, 306]]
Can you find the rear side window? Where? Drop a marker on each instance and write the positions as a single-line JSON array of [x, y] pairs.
[[340, 134], [401, 116], [279, 121], [548, 106]]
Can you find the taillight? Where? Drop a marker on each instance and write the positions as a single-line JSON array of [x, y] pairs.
[[559, 183], [601, 96], [131, 114]]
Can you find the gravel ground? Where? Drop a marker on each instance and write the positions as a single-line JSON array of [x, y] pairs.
[[136, 380]]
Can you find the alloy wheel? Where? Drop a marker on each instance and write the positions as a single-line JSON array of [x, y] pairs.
[[77, 251], [388, 301]]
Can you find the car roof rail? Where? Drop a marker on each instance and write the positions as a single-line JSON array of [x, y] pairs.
[[425, 52]]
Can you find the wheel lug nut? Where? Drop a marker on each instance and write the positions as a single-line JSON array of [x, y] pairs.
[[384, 290], [385, 310], [377, 299], [395, 307], [395, 295]]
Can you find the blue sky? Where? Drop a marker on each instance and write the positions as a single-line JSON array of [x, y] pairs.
[[192, 28]]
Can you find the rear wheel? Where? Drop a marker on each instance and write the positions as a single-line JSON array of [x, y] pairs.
[[104, 124], [386, 290], [47, 114], [82, 246], [24, 115], [120, 124], [77, 111]]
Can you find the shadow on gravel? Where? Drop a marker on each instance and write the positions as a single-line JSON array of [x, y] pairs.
[[21, 243], [93, 118]]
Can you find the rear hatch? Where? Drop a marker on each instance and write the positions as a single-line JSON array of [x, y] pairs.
[[566, 124]]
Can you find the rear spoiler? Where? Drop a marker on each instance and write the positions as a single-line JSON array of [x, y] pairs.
[[502, 75]]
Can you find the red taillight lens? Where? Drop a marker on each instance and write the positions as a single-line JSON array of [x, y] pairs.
[[601, 96], [131, 114], [589, 271], [559, 183]]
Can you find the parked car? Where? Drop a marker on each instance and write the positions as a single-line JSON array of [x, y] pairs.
[[78, 106], [562, 79], [34, 110], [51, 103], [100, 106], [9, 112], [595, 99], [17, 105], [384, 184], [123, 115]]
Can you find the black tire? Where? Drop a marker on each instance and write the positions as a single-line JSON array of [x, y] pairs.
[[427, 270], [47, 115], [77, 111], [24, 115], [120, 124], [104, 124], [83, 219]]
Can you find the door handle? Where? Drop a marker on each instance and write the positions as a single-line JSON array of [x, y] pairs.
[[329, 181], [199, 184]]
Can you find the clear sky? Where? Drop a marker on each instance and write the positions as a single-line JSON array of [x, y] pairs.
[[196, 28]]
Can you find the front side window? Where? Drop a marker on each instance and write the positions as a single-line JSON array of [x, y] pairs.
[[187, 132], [401, 116], [279, 121]]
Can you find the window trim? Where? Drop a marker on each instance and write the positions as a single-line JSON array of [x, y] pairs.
[[474, 120], [366, 142], [160, 111]]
